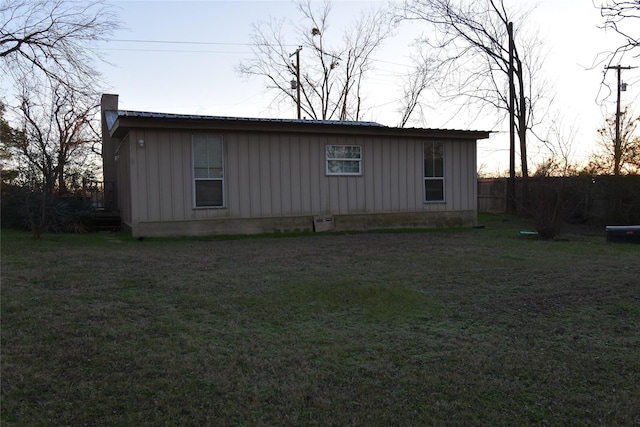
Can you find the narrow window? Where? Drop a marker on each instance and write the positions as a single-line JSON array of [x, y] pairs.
[[344, 159], [208, 171], [434, 172]]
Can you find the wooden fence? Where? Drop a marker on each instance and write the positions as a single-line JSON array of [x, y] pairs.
[[614, 199], [492, 195]]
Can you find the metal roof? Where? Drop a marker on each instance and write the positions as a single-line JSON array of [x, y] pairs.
[[113, 115], [114, 120]]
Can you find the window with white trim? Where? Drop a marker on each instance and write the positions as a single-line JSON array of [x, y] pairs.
[[208, 171], [434, 172], [344, 159]]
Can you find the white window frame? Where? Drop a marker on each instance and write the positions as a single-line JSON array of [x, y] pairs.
[[216, 138], [329, 159], [434, 177]]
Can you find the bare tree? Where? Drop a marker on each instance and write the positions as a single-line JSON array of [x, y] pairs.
[[59, 129], [560, 144], [622, 157], [50, 155], [332, 70], [623, 17], [53, 38], [416, 82], [471, 39]]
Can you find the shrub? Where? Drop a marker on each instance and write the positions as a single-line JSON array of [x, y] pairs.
[[546, 205], [33, 211]]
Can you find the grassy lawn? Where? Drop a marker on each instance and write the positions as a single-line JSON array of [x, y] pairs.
[[455, 327]]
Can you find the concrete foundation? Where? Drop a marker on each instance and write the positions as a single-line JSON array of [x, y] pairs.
[[297, 224]]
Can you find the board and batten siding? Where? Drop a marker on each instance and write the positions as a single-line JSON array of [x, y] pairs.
[[123, 172], [283, 174]]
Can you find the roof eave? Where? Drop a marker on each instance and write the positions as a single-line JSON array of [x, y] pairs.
[[123, 123]]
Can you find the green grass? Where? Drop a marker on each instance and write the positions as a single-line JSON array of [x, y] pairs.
[[455, 327]]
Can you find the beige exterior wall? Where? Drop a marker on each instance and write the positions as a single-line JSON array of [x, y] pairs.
[[274, 175], [123, 167]]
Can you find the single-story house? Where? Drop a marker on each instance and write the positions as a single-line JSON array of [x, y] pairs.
[[178, 175]]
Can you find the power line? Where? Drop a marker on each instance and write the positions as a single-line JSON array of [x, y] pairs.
[[173, 50], [175, 42], [183, 42], [191, 42]]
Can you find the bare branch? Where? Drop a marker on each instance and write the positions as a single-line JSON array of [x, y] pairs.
[[54, 38], [471, 42], [623, 17], [332, 69], [618, 157], [59, 130]]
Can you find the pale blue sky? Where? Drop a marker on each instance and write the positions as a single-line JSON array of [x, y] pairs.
[[201, 78]]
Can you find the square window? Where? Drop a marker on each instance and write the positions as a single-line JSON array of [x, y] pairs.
[[434, 190], [344, 159], [208, 193]]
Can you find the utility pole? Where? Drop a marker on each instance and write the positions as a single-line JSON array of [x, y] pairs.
[[297, 54], [617, 148]]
